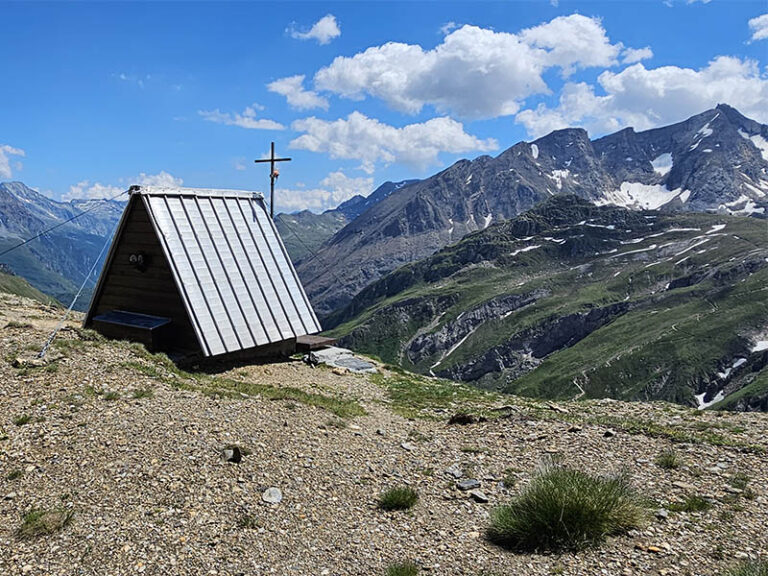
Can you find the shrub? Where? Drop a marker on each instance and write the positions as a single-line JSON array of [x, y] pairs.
[[39, 522], [752, 568], [566, 509], [668, 460], [406, 568], [401, 498]]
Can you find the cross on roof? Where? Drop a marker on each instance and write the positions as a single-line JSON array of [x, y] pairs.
[[273, 174]]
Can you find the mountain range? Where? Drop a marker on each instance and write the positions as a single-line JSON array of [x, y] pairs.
[[58, 261], [575, 300], [715, 161]]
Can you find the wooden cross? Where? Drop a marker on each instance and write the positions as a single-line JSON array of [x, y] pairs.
[[273, 174]]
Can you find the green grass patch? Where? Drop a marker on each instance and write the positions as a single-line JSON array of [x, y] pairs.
[[414, 396], [565, 509], [406, 568], [111, 396], [14, 475], [159, 367], [668, 459], [749, 568], [140, 393], [400, 498], [691, 503], [22, 420], [39, 522]]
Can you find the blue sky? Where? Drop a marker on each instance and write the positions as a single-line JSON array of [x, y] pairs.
[[97, 96]]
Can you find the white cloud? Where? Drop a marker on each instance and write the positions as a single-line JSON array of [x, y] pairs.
[[448, 27], [292, 88], [247, 119], [334, 189], [6, 170], [370, 141], [694, 1], [573, 42], [759, 27], [86, 190], [474, 72], [634, 55], [324, 30], [645, 98]]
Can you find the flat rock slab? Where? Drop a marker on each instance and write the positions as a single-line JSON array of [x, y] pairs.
[[342, 358]]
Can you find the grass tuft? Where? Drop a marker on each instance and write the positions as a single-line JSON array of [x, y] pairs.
[[22, 420], [400, 498], [690, 504], [39, 522], [111, 396], [564, 509], [14, 475], [406, 568], [750, 568], [668, 460], [143, 393]]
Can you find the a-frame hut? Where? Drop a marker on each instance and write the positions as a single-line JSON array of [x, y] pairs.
[[200, 273]]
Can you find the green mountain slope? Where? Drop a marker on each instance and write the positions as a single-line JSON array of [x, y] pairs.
[[11, 284], [571, 300]]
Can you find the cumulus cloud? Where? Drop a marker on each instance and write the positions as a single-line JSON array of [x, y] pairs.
[[635, 55], [334, 189], [96, 190], [324, 30], [292, 88], [645, 98], [6, 151], [572, 42], [759, 27], [474, 72], [246, 119], [371, 141]]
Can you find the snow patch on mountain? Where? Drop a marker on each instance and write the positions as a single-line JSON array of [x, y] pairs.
[[662, 164], [760, 142], [642, 196], [534, 151], [558, 176]]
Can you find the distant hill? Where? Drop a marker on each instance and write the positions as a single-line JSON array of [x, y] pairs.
[[716, 161], [572, 299], [56, 263], [16, 285]]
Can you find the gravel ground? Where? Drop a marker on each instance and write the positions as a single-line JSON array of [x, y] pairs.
[[151, 494]]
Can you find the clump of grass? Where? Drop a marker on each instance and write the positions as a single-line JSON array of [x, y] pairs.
[[336, 423], [22, 420], [14, 475], [39, 522], [143, 393], [690, 504], [668, 460], [750, 568], [565, 509], [248, 521], [112, 395], [400, 498], [406, 568]]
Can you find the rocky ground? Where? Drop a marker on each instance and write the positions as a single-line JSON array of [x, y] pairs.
[[132, 448]]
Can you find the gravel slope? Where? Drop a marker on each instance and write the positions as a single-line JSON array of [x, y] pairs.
[[151, 494]]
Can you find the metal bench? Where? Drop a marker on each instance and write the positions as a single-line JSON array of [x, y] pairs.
[[152, 331]]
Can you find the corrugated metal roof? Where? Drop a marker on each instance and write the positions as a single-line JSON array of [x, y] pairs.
[[234, 273]]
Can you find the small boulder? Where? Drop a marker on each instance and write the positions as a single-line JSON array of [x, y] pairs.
[[454, 470], [468, 484], [478, 496], [272, 495], [232, 454]]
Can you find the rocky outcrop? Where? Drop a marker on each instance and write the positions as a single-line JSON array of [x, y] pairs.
[[523, 351]]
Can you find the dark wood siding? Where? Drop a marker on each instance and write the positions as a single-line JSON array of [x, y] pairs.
[[151, 291]]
